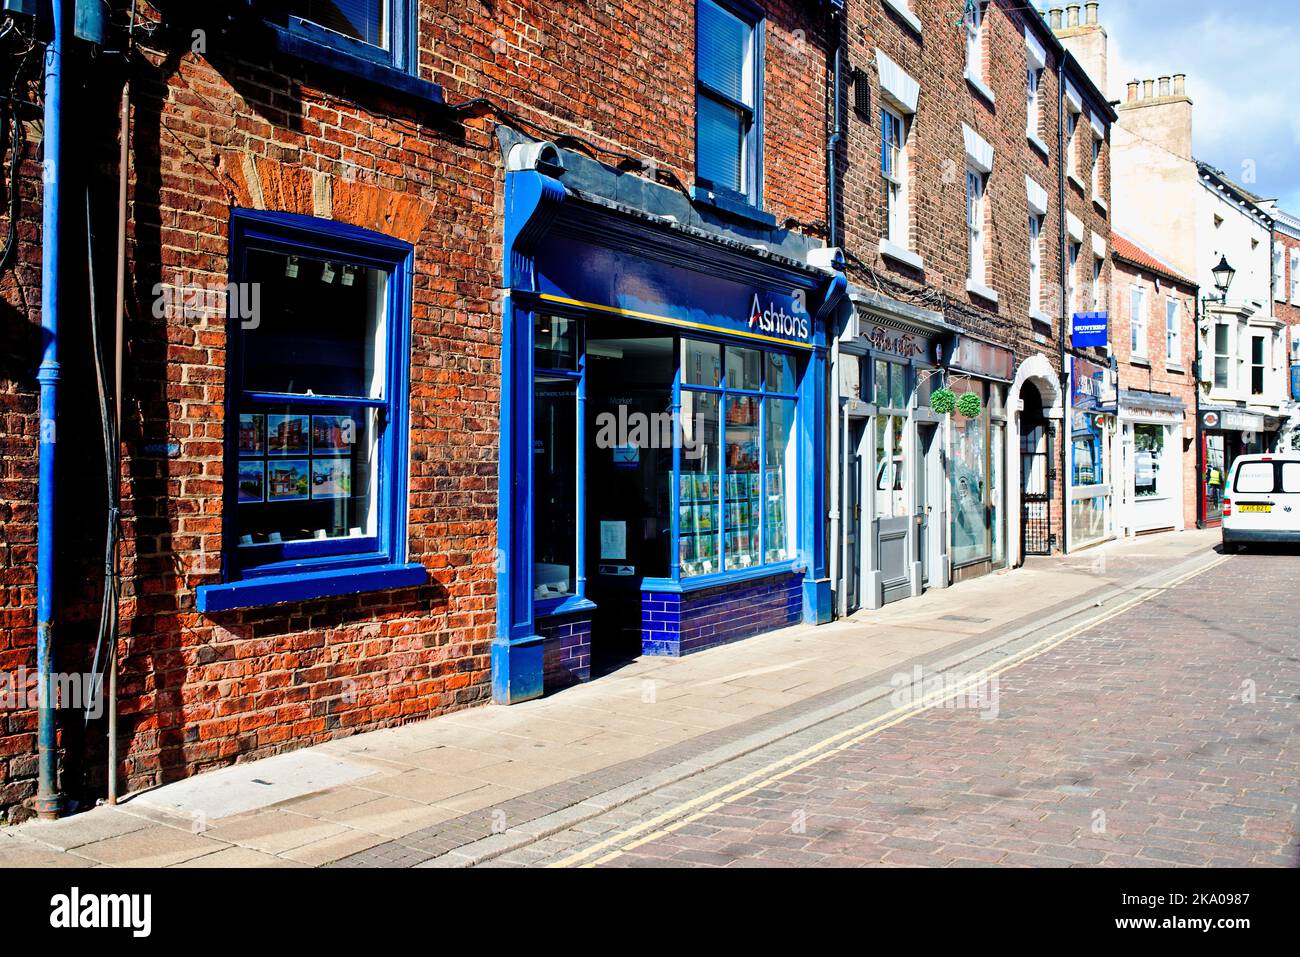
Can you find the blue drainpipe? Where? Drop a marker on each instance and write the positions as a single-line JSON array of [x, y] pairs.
[[49, 802]]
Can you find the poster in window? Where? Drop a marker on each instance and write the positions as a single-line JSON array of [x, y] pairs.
[[331, 478], [252, 434], [288, 480], [287, 434], [686, 519], [332, 434], [252, 481]]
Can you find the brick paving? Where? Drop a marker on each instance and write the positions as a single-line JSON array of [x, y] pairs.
[[1167, 735]]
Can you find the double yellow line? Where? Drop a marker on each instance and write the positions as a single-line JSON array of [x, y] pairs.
[[688, 812]]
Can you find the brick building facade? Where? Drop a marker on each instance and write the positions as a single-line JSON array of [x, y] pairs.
[[240, 112], [976, 219], [1156, 358]]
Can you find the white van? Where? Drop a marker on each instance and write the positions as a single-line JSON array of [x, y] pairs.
[[1262, 501]]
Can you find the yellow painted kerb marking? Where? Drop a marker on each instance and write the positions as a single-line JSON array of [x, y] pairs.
[[690, 811], [685, 323]]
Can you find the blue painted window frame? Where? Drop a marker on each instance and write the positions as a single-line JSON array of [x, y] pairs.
[[318, 568], [400, 54], [752, 195], [677, 581]]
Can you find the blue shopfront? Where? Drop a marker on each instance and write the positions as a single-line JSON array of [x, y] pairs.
[[662, 440]]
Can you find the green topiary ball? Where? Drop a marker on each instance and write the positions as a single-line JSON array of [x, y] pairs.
[[943, 401], [969, 405]]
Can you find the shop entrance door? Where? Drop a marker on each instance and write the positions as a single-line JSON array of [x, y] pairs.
[[894, 551], [928, 490], [1216, 474], [1036, 475], [629, 467], [854, 499]]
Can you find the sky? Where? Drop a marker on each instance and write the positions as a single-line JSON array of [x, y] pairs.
[[1242, 60]]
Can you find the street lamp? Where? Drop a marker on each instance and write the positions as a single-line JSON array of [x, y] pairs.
[[1223, 274]]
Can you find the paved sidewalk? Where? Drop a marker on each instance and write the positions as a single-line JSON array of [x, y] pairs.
[[481, 782]]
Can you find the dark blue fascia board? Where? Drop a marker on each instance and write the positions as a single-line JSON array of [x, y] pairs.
[[274, 589], [381, 75]]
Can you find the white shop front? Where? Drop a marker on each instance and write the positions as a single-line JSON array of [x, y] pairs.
[[1151, 442]]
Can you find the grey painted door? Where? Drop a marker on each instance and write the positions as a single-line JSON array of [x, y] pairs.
[[894, 548]]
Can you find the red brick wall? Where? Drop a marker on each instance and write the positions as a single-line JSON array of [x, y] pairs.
[[230, 128], [1158, 371], [1288, 311]]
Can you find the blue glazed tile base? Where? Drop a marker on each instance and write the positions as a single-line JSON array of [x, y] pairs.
[[567, 641], [679, 624]]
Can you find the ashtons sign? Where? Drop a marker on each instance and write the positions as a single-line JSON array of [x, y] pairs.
[[902, 344], [776, 321]]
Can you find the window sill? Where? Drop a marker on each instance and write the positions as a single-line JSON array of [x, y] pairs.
[[1175, 367], [1100, 203], [1142, 361], [981, 290], [907, 16], [1076, 182], [1040, 317], [341, 61], [982, 88], [552, 607], [733, 206], [1039, 145], [274, 589], [905, 256]]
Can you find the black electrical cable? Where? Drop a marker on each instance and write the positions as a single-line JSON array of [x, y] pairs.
[[11, 116], [106, 641]]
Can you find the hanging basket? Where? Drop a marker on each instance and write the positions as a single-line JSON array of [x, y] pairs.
[[943, 401], [968, 405]]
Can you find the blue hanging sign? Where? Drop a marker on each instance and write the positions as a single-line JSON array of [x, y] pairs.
[[576, 273], [1295, 383], [1089, 329]]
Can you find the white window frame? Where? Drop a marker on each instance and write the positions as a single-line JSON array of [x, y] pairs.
[[1227, 357], [1073, 252], [975, 42], [1035, 262], [1295, 277], [976, 264], [1279, 272], [1173, 332], [1033, 81], [1137, 322], [1096, 168], [1098, 266], [1262, 365], [1071, 137], [897, 198]]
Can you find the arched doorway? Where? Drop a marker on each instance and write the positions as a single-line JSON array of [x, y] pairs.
[[1036, 474], [1034, 410]]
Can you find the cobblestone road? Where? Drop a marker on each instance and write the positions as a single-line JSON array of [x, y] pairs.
[[1167, 734]]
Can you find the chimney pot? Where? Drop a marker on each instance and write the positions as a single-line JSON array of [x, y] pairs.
[[1054, 18], [1072, 15], [1180, 84], [1148, 89], [1164, 86], [1132, 91], [1091, 8]]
